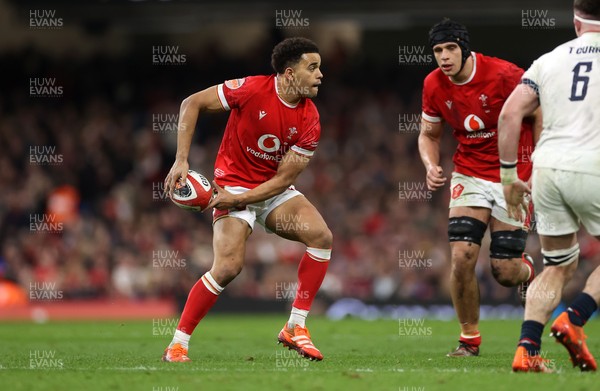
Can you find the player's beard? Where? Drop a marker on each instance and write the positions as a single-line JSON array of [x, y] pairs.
[[311, 95], [313, 91]]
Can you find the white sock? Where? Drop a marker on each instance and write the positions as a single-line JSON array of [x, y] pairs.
[[180, 337], [297, 317]]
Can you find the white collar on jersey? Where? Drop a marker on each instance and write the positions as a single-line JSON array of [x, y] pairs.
[[474, 57], [291, 106], [589, 21]]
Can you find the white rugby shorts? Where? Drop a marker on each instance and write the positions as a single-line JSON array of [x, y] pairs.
[[565, 199], [257, 212], [470, 191]]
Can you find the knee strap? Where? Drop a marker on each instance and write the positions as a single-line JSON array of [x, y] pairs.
[[466, 229], [508, 244]]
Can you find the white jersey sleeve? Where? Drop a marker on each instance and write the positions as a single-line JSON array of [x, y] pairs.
[[567, 82]]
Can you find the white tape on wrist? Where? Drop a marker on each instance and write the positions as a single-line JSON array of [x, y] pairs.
[[508, 176]]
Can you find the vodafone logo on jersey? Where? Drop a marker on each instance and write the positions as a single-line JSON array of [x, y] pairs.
[[269, 143], [473, 123]]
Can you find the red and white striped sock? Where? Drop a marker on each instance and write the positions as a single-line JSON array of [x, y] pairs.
[[201, 298], [311, 272]]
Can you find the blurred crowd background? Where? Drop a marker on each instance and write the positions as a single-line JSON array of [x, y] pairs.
[[82, 207]]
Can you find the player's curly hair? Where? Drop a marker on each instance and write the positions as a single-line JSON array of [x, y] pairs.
[[289, 51], [590, 8]]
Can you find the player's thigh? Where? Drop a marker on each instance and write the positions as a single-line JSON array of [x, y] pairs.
[[297, 219], [229, 240], [499, 225], [554, 194], [479, 213], [554, 217]]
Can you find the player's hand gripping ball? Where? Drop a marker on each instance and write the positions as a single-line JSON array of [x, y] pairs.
[[195, 195]]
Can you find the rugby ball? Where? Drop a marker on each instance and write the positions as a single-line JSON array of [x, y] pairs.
[[195, 195]]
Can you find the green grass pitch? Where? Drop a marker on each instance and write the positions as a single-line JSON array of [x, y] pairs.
[[240, 353]]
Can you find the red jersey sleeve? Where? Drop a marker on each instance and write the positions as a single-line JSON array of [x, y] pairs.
[[430, 111], [511, 76], [233, 93], [309, 140]]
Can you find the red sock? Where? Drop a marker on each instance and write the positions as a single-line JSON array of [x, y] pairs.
[[202, 297], [473, 340], [311, 272]]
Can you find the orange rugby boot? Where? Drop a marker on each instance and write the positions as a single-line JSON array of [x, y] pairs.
[[176, 353], [573, 339], [299, 340], [524, 362]]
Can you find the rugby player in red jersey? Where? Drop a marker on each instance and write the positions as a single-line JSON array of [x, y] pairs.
[[467, 92], [272, 132]]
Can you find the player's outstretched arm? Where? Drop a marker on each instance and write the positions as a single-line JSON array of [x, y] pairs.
[[290, 167], [191, 107], [429, 149]]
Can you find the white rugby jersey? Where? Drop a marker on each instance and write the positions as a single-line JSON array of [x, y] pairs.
[[567, 81]]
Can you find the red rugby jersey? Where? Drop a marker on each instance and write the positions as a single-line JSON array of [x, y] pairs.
[[260, 130], [472, 109]]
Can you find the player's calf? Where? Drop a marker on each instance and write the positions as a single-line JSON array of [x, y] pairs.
[[512, 272]]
